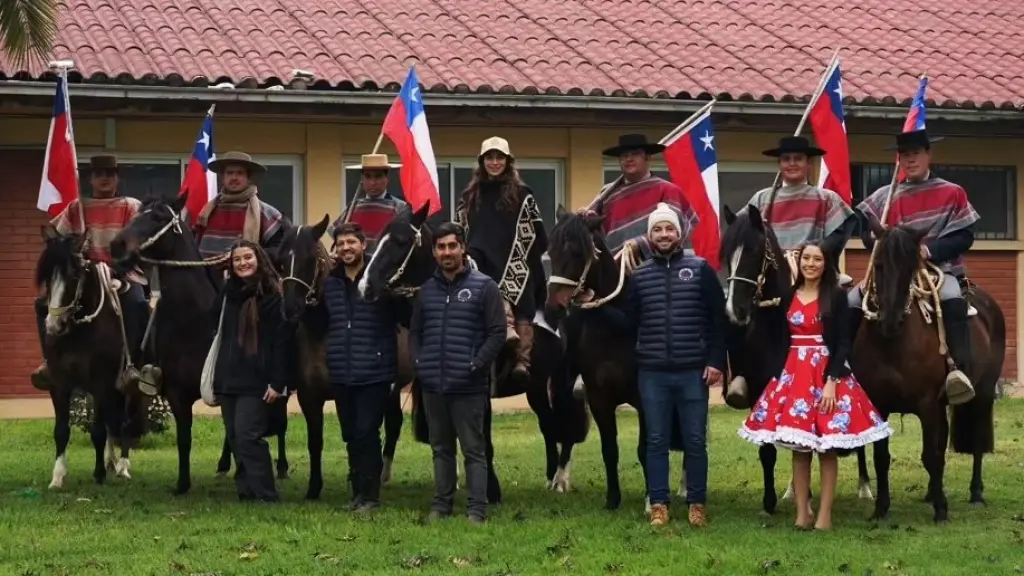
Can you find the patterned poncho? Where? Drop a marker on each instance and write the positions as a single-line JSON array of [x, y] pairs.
[[627, 206], [934, 205], [226, 223], [105, 218], [374, 215], [802, 213]]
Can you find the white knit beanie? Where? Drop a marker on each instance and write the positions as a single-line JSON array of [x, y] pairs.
[[663, 213]]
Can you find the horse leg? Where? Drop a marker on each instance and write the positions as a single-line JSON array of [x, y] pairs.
[[607, 427], [182, 410], [313, 411], [863, 478], [933, 454], [393, 419], [768, 455], [540, 404], [493, 485], [977, 485], [61, 400], [224, 464], [943, 441], [98, 434], [882, 462], [282, 453]]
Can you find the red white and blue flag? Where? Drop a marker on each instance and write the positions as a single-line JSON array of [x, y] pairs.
[[59, 184], [406, 126], [915, 117], [693, 164], [829, 127], [200, 183]]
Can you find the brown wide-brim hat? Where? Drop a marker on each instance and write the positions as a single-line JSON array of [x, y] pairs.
[[238, 158], [373, 162], [103, 162]]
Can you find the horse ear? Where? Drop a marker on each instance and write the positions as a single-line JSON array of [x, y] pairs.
[[178, 204], [755, 217], [595, 222], [730, 216], [420, 216], [321, 227], [48, 232], [561, 213]]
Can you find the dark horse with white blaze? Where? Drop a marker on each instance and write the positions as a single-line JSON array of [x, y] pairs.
[[897, 360], [758, 279], [83, 345], [581, 261], [402, 262], [182, 328], [305, 264]]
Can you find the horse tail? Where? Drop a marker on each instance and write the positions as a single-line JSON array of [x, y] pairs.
[[972, 426], [421, 430]]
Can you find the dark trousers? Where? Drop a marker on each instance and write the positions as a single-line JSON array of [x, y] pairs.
[[686, 393], [245, 421], [361, 414], [136, 315], [458, 417]]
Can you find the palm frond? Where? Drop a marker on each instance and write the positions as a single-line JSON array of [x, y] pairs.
[[27, 29]]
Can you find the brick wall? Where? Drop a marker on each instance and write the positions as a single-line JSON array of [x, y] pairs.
[[996, 272], [19, 224]]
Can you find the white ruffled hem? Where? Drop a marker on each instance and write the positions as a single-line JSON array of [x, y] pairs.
[[802, 440]]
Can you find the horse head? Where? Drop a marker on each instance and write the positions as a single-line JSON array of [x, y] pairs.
[[404, 256], [147, 233], [61, 269], [304, 265], [576, 244], [757, 270], [896, 262]]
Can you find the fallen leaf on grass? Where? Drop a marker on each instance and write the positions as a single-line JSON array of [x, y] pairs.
[[565, 561], [347, 538], [103, 511], [416, 561], [326, 558], [893, 566], [250, 551], [613, 567], [769, 565], [461, 562], [176, 566], [83, 500], [249, 555], [711, 563]]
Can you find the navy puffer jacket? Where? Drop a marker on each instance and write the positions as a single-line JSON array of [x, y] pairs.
[[360, 343], [456, 332]]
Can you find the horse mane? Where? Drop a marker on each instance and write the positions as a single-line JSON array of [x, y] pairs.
[[56, 254], [896, 261], [571, 238]]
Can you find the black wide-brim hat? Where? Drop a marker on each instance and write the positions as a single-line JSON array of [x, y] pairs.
[[915, 139], [793, 145], [103, 162], [629, 142]]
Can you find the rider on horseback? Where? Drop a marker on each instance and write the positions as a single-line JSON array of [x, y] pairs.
[[106, 214], [940, 209], [375, 209], [798, 213]]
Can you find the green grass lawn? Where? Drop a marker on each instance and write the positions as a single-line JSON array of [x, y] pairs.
[[137, 527]]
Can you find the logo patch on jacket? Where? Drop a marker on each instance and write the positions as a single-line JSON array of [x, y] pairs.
[[686, 274], [464, 295]]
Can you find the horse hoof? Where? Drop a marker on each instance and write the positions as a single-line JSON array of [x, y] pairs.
[[312, 495], [864, 492], [612, 505], [979, 503], [282, 475]]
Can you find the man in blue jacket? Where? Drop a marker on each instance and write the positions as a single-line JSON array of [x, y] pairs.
[[675, 307], [456, 332], [362, 360]]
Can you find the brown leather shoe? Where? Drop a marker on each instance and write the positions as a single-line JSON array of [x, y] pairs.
[[698, 518], [658, 515]]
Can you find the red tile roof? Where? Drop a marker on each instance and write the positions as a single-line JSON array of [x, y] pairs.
[[739, 49]]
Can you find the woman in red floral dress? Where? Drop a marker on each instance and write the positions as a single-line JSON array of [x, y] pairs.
[[815, 405]]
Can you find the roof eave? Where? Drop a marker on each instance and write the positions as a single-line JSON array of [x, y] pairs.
[[605, 103]]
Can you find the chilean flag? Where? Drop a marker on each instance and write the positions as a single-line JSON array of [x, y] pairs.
[[200, 183], [406, 126], [915, 117], [693, 164], [59, 184], [829, 128]]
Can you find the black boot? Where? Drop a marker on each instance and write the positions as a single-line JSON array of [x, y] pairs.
[[958, 339], [40, 377]]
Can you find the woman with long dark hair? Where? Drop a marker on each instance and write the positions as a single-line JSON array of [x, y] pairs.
[[816, 404], [506, 239], [252, 365]]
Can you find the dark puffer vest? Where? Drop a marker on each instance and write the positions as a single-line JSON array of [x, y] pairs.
[[361, 345], [671, 301], [456, 333]]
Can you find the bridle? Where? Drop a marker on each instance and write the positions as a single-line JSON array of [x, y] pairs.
[[74, 306], [626, 262], [768, 262], [389, 284], [175, 225], [320, 271]]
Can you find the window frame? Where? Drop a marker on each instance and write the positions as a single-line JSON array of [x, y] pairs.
[[293, 160], [454, 162]]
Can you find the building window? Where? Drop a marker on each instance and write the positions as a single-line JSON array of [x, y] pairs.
[[990, 189], [140, 176], [545, 178]]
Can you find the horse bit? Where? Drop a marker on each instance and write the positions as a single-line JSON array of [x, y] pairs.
[[768, 260], [320, 267]]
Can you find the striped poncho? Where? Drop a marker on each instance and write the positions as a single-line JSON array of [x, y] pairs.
[[936, 206], [105, 218], [802, 213], [373, 214], [626, 208], [226, 223]]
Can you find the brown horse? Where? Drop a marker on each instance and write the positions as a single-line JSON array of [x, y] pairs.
[[304, 264], [896, 359]]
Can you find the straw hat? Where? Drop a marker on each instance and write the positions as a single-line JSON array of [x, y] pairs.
[[374, 162]]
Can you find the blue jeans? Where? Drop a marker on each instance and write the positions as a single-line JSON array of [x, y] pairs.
[[687, 394]]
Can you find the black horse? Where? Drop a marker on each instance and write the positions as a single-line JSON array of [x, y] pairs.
[[304, 265], [83, 345], [402, 262], [160, 237], [759, 278]]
